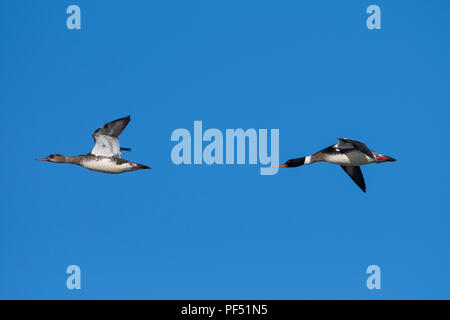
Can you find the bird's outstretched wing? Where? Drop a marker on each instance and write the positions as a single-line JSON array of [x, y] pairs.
[[353, 144], [356, 175], [106, 138]]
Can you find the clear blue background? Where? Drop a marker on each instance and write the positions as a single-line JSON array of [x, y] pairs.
[[310, 68]]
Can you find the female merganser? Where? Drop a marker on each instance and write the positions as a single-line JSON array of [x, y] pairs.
[[105, 156], [349, 154]]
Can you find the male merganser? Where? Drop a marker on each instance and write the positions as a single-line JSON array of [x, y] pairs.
[[349, 154], [105, 156]]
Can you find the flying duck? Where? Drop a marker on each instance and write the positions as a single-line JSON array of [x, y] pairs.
[[105, 156], [349, 154]]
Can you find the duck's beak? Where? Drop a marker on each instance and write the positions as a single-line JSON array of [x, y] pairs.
[[43, 159], [140, 166], [280, 166], [384, 159]]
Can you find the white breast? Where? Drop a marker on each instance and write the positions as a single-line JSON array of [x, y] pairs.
[[106, 165], [353, 158]]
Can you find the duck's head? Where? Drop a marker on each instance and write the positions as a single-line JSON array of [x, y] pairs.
[[54, 158]]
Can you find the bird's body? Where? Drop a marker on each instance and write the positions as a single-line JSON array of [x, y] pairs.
[[105, 156], [107, 164], [349, 154], [353, 158]]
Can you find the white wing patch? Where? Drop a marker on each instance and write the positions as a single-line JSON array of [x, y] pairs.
[[106, 146], [106, 138]]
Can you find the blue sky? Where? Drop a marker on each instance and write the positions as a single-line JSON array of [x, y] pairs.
[[310, 69]]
